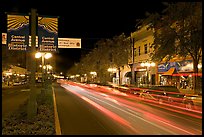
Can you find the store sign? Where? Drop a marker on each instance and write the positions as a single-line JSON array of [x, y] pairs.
[[163, 67], [47, 34], [17, 32], [69, 43], [180, 66]]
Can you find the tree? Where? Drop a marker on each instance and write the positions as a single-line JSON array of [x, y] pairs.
[[178, 32], [120, 49], [109, 53]]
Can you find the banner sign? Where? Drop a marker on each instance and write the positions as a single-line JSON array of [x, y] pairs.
[[69, 43], [17, 32], [181, 66], [47, 34]]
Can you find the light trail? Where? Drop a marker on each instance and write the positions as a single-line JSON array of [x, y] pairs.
[[128, 110]]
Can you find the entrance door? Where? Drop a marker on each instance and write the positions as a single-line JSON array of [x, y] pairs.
[[153, 79]]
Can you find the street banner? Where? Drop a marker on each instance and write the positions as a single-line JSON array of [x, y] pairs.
[[17, 32], [69, 43], [47, 34]]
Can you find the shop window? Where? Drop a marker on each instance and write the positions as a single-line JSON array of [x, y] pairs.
[[145, 48], [135, 52]]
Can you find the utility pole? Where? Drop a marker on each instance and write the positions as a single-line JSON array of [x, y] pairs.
[[133, 60], [32, 104]]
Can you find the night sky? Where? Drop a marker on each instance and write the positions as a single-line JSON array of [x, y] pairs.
[[89, 20]]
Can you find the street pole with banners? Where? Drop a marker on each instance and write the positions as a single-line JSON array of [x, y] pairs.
[[32, 104]]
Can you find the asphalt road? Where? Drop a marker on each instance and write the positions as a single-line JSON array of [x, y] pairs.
[[77, 117], [94, 112]]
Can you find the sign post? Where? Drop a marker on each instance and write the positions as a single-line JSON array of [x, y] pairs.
[[32, 104]]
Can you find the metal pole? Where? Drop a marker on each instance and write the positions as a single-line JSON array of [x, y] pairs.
[[133, 60], [32, 104], [147, 76], [43, 63]]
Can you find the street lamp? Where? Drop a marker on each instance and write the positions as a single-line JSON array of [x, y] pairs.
[[148, 65], [93, 75], [112, 70], [44, 56]]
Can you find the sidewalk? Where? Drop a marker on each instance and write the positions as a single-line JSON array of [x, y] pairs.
[[186, 91]]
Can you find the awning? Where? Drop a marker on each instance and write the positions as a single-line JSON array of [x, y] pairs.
[[170, 72], [18, 70]]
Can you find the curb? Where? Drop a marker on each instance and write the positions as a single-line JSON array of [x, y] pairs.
[[57, 124]]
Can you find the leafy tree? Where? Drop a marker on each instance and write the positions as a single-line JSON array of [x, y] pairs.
[[120, 51], [178, 32], [109, 53]]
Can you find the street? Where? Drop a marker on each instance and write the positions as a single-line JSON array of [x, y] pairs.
[[87, 111]]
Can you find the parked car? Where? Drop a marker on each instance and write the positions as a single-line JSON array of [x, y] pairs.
[[167, 94]]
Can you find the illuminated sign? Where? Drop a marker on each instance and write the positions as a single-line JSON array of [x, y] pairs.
[[69, 43]]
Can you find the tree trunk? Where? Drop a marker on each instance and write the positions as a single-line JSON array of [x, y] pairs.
[[119, 76], [195, 79]]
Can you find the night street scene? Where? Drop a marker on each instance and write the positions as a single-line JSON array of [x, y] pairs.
[[101, 67]]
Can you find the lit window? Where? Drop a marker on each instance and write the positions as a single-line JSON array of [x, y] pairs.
[[135, 52], [145, 47]]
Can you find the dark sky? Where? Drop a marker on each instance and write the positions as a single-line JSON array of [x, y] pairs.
[[89, 20]]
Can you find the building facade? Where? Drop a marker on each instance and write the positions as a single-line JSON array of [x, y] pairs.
[[177, 71], [145, 72]]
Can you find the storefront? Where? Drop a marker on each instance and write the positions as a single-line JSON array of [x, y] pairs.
[[179, 74], [144, 75]]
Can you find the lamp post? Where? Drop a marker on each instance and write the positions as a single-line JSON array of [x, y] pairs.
[[148, 65], [93, 75], [43, 56], [133, 59], [112, 70]]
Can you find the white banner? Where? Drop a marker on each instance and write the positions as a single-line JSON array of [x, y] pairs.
[[69, 43]]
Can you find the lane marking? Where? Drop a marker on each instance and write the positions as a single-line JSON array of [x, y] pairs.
[[57, 123]]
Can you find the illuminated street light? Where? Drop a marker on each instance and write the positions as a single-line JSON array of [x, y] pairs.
[[112, 69], [48, 55], [44, 56], [148, 65], [94, 74], [38, 55]]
